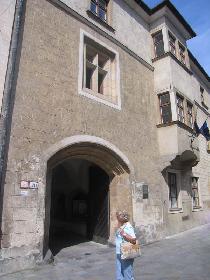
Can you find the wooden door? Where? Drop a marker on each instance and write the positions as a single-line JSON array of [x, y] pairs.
[[98, 221]]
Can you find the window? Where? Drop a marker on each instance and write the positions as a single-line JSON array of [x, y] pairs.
[[99, 8], [195, 194], [189, 114], [99, 76], [180, 108], [165, 108], [158, 44], [173, 197], [202, 94], [172, 43], [182, 53]]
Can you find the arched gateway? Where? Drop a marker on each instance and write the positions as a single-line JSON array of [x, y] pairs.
[[88, 179]]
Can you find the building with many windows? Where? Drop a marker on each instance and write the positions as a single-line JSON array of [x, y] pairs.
[[99, 104]]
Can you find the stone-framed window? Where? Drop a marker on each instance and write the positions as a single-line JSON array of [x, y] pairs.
[[173, 191], [158, 43], [172, 43], [189, 114], [174, 186], [99, 76], [165, 108], [182, 53], [180, 108], [195, 193], [99, 8]]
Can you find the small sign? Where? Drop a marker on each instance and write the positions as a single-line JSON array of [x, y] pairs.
[[24, 193], [33, 185], [24, 184]]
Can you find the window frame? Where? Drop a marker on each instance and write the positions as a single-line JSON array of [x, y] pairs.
[[189, 115], [179, 208], [178, 96], [182, 53], [171, 36], [99, 6], [195, 207], [164, 105], [154, 44], [114, 100]]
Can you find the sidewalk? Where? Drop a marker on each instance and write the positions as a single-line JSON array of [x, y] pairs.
[[185, 256]]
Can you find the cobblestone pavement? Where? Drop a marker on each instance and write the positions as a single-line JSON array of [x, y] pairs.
[[185, 256]]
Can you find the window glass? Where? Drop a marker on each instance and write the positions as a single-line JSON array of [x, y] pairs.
[[165, 108], [158, 44], [182, 53], [99, 7], [172, 182], [172, 43], [190, 114], [195, 194], [180, 108]]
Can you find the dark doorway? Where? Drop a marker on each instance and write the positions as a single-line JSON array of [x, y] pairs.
[[79, 204]]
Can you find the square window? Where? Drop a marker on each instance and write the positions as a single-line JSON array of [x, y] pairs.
[[99, 8]]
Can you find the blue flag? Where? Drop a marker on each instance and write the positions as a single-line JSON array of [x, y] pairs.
[[204, 130], [196, 128]]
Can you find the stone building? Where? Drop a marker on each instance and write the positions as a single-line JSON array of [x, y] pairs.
[[99, 103]]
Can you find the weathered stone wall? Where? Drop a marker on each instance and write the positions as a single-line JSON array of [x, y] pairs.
[[48, 109]]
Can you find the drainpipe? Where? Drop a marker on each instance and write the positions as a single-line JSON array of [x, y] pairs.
[[8, 97]]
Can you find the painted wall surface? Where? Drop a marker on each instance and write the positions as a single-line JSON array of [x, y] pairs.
[[7, 9], [126, 22]]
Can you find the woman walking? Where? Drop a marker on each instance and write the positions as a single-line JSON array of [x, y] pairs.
[[125, 232]]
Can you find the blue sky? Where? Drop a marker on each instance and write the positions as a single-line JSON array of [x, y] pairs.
[[197, 14]]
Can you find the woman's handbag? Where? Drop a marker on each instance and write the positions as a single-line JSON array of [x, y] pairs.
[[129, 250]]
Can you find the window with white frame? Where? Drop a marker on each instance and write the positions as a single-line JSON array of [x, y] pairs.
[[99, 8], [182, 53], [173, 190], [99, 78], [172, 43], [180, 108], [165, 108], [195, 193], [189, 114], [158, 43]]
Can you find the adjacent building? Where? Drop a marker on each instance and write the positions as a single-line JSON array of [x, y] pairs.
[[99, 105]]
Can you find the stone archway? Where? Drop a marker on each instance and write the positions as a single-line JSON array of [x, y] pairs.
[[104, 155]]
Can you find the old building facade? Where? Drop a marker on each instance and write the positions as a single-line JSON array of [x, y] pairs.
[[103, 96]]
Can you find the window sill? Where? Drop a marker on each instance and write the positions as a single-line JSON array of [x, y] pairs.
[[99, 20], [107, 100], [197, 209], [176, 59], [180, 124], [204, 105], [175, 210]]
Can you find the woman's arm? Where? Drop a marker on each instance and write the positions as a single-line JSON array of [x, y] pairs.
[[128, 237]]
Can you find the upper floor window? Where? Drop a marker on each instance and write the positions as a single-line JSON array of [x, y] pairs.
[[202, 94], [189, 114], [180, 108], [195, 193], [172, 43], [99, 8], [165, 108], [99, 76], [182, 53], [173, 191], [158, 44]]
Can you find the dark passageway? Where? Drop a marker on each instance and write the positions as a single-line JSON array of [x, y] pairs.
[[79, 204]]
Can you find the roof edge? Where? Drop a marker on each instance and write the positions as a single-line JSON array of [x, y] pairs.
[[167, 3]]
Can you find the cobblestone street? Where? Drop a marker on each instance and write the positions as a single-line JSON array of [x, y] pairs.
[[185, 256]]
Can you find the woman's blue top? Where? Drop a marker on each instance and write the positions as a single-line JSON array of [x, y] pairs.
[[127, 227]]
